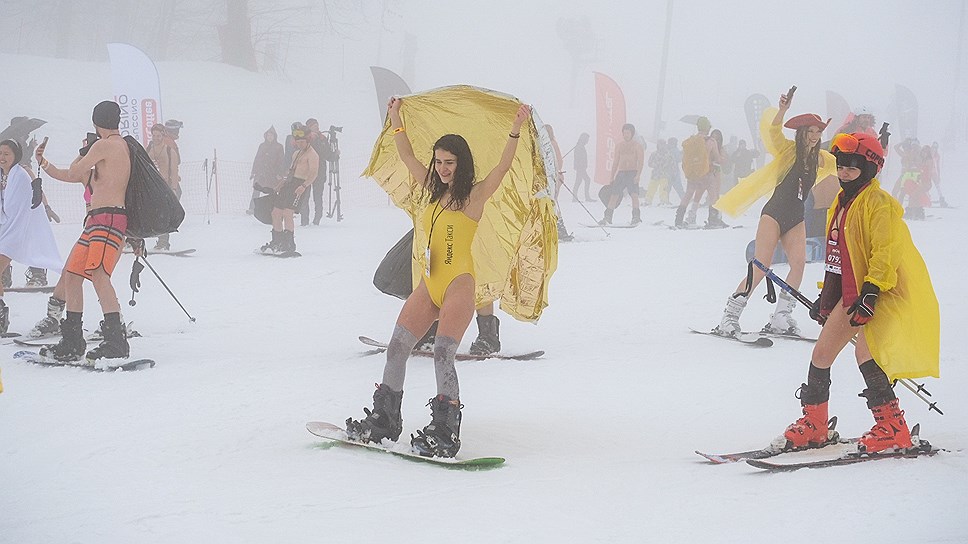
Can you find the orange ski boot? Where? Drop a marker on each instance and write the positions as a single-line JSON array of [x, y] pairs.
[[810, 431], [890, 431]]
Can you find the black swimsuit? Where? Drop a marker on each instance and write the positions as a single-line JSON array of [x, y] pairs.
[[786, 204]]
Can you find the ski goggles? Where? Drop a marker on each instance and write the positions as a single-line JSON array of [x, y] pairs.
[[848, 143], [299, 134]]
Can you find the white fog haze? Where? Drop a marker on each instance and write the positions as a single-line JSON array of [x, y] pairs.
[[599, 433]]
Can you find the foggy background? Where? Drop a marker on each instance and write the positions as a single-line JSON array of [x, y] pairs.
[[544, 51]]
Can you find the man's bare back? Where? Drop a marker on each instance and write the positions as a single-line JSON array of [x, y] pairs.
[[112, 168]]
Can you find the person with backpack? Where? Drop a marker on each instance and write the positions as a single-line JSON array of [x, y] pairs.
[[796, 167], [877, 293], [98, 249], [700, 155]]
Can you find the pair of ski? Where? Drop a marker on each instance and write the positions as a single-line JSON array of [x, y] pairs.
[[755, 339], [763, 458], [382, 346], [338, 434], [101, 365], [173, 252]]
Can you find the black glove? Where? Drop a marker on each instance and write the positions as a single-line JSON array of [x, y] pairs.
[[135, 279], [862, 310], [38, 196], [815, 311]]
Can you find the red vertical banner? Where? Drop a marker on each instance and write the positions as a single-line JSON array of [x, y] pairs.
[[609, 118]]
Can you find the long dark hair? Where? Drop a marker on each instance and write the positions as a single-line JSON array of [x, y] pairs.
[[460, 188], [808, 160]]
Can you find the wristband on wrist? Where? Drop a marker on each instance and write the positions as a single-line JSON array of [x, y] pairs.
[[398, 130], [513, 135]]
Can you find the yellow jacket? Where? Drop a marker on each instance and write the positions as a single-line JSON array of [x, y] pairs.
[[761, 182], [904, 334]]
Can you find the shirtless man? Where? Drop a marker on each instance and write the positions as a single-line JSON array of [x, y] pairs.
[[626, 172], [302, 173], [96, 252]]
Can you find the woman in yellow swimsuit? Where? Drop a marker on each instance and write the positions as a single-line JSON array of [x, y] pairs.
[[446, 289]]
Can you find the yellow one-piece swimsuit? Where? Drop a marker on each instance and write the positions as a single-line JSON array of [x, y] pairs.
[[451, 234]]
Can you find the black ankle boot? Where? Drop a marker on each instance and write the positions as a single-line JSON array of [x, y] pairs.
[[72, 345], [441, 438], [115, 344], [384, 421], [488, 339]]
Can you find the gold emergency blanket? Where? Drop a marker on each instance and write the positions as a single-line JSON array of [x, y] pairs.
[[516, 248]]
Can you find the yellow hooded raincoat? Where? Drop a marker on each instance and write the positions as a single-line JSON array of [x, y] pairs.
[[761, 182], [904, 334]]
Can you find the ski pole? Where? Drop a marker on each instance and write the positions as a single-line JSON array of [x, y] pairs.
[[917, 393], [806, 302], [153, 271], [582, 204]]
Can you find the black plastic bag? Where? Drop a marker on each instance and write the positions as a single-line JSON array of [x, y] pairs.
[[262, 209], [394, 275], [153, 208]]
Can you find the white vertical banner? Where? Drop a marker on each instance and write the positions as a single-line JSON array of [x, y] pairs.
[[137, 89]]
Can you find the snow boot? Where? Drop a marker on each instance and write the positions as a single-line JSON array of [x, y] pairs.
[[427, 342], [488, 339], [50, 324], [729, 325], [636, 216], [782, 322], [7, 277], [384, 421], [715, 220], [607, 220], [36, 277], [163, 243], [691, 218], [273, 245], [441, 438], [4, 317], [890, 431], [288, 243], [680, 214], [114, 345], [72, 345]]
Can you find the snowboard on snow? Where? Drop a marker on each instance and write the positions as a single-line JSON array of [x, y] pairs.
[[753, 339], [338, 434], [101, 365], [284, 255], [382, 346], [51, 339], [33, 289]]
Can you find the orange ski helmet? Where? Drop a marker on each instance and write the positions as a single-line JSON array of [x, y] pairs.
[[859, 143]]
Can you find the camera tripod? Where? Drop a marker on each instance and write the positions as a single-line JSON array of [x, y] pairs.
[[335, 204]]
